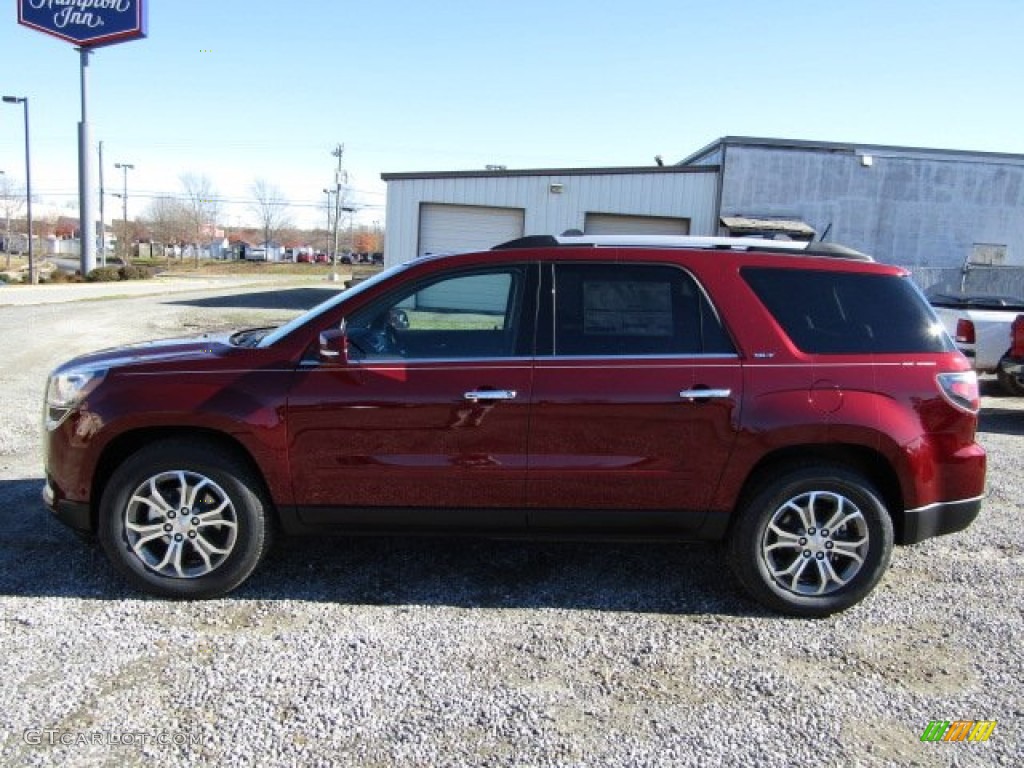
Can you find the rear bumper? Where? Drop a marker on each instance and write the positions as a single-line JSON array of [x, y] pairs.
[[938, 519], [1014, 366], [74, 514]]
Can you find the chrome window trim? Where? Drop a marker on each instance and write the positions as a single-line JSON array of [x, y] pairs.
[[500, 361], [681, 356]]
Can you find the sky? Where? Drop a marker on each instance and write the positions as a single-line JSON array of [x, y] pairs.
[[243, 89]]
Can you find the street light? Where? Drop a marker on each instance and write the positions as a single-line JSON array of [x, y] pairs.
[[23, 100], [124, 211], [7, 231]]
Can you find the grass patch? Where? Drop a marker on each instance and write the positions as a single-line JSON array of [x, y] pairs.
[[236, 267]]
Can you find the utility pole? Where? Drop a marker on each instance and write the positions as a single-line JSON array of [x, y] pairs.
[[351, 229], [327, 244], [124, 211], [23, 100], [338, 152]]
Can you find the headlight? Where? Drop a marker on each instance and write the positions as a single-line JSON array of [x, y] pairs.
[[65, 391]]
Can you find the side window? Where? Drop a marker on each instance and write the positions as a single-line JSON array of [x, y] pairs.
[[466, 315], [624, 310], [830, 312]]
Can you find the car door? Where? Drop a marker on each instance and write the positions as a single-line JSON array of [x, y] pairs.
[[426, 423], [634, 401]]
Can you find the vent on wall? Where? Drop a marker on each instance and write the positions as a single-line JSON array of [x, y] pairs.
[[988, 254]]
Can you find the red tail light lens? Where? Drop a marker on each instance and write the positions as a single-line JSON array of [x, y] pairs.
[[1017, 337], [965, 331], [961, 390]]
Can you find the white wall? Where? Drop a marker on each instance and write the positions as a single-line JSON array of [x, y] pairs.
[[671, 191]]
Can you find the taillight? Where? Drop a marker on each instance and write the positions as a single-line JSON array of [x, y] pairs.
[[961, 390], [1017, 337], [965, 331]]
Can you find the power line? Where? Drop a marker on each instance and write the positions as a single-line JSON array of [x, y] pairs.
[[150, 195]]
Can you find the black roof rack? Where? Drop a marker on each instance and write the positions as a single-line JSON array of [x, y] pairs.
[[792, 247]]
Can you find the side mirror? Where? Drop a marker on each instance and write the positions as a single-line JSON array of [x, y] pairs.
[[332, 348]]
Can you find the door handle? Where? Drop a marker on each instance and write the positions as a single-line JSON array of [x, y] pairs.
[[704, 394], [490, 394]]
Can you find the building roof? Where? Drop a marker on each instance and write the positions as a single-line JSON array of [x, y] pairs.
[[847, 148], [549, 172]]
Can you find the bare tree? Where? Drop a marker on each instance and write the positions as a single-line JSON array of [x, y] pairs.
[[168, 221], [271, 209], [201, 207]]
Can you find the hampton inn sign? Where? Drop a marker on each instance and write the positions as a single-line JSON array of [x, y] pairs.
[[86, 23]]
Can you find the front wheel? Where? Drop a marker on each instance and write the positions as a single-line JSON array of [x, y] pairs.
[[180, 519], [812, 541]]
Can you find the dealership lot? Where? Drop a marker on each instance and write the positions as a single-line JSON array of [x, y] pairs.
[[391, 651]]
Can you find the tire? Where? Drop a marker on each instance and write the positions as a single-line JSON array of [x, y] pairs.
[[786, 557], [1012, 385], [200, 548]]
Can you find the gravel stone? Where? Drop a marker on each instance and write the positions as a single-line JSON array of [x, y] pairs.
[[384, 652]]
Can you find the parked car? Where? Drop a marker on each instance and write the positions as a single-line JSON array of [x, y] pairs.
[[800, 402], [305, 258], [1011, 366], [322, 258], [981, 327]]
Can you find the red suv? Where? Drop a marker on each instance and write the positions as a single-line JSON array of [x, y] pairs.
[[800, 402]]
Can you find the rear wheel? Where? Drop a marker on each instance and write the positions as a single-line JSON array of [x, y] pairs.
[[1012, 385], [181, 519], [812, 541]]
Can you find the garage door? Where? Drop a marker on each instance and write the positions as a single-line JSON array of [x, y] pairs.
[[457, 228], [618, 224]]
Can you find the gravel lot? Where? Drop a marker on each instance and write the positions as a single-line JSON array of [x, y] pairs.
[[437, 652]]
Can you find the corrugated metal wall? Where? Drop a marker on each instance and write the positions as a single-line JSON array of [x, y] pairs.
[[912, 208], [990, 281], [688, 194]]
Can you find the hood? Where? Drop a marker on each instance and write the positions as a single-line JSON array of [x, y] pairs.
[[189, 349]]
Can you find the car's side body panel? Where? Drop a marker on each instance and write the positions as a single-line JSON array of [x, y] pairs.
[[401, 434], [621, 445]]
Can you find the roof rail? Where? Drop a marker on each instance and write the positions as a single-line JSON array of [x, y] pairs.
[[685, 241]]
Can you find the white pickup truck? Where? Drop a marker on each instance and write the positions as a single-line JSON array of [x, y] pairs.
[[987, 330]]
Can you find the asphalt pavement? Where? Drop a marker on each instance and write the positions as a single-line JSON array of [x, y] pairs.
[[55, 293]]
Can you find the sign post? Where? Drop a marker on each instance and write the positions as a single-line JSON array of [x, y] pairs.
[[87, 24]]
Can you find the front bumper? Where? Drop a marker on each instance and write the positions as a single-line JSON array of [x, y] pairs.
[[938, 519], [74, 514]]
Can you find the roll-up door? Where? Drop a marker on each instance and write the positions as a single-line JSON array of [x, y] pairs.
[[619, 224], [458, 228]]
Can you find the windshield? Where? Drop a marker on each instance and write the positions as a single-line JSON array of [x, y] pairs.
[[331, 303]]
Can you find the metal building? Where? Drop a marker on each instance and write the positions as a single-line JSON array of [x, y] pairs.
[[915, 207], [929, 209], [471, 210]]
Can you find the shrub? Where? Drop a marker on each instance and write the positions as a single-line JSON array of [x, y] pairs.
[[104, 275], [58, 276], [133, 272]]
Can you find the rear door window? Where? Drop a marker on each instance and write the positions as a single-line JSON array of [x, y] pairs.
[[629, 310], [826, 312]]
